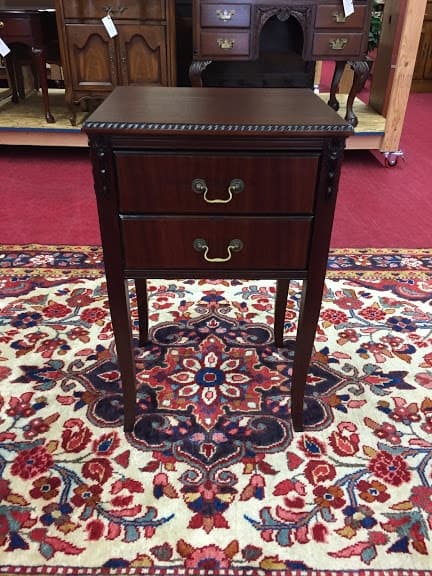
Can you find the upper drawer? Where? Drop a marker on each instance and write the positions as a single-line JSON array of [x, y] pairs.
[[271, 185], [337, 44], [224, 43], [333, 16], [148, 10], [226, 15], [202, 243], [14, 27]]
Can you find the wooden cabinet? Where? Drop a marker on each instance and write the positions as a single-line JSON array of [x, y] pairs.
[[142, 52], [215, 183], [422, 77]]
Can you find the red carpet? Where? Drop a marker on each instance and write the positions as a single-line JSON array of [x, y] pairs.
[[48, 198]]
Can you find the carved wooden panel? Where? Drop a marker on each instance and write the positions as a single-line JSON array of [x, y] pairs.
[[93, 56]]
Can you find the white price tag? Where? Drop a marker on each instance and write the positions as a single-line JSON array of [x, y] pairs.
[[4, 48], [107, 21], [348, 7]]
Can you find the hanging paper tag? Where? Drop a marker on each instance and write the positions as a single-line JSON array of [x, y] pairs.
[[348, 7], [4, 48], [107, 21]]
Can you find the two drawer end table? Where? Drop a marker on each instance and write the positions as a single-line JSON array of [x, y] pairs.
[[215, 183]]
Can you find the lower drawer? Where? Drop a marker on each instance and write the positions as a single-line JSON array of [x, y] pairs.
[[224, 43], [216, 243], [338, 44]]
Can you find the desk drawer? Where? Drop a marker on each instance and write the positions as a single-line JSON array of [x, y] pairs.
[[333, 16], [225, 15], [15, 27], [148, 10], [224, 43], [338, 44], [164, 184], [179, 243]]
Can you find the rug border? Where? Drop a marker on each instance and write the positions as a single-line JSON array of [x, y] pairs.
[[353, 265]]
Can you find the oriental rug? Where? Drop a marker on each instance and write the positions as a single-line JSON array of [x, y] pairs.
[[213, 481]]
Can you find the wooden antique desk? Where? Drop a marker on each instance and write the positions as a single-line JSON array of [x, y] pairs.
[[214, 183], [33, 28], [229, 30]]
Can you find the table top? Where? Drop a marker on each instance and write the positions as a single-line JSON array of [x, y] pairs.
[[26, 6], [265, 111]]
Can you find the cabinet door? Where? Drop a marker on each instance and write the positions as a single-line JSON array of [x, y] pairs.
[[143, 56], [92, 58]]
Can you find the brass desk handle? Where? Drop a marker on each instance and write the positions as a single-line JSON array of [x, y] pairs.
[[225, 43], [199, 186], [339, 17], [338, 43], [225, 14], [110, 10], [1, 24], [200, 245]]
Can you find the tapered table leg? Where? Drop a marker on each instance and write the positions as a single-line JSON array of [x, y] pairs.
[[120, 316], [142, 306], [282, 288], [310, 307]]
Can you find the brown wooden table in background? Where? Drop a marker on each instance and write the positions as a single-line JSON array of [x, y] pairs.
[[34, 29]]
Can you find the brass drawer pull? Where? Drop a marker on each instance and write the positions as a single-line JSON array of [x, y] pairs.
[[110, 10], [225, 14], [199, 186], [339, 17], [225, 43], [200, 245], [1, 24], [338, 43]]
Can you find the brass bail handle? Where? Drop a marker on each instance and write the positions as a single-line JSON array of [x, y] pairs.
[[225, 14], [225, 43], [200, 245], [339, 17], [338, 43], [236, 186]]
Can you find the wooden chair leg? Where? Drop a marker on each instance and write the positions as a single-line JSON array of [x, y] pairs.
[[282, 288], [141, 296]]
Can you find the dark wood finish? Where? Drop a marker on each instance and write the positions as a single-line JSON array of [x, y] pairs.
[[163, 184], [422, 78], [142, 53], [288, 147], [232, 31], [30, 33]]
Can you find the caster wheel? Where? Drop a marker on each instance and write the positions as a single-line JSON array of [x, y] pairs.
[[391, 161], [392, 158]]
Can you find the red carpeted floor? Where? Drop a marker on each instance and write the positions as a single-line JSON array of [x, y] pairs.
[[47, 195]]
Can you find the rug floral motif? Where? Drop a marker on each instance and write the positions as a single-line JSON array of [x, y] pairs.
[[213, 480]]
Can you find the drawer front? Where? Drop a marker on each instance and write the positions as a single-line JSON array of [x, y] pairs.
[[213, 243], [14, 27], [174, 184], [225, 15], [224, 43], [148, 10], [333, 16], [337, 44]]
